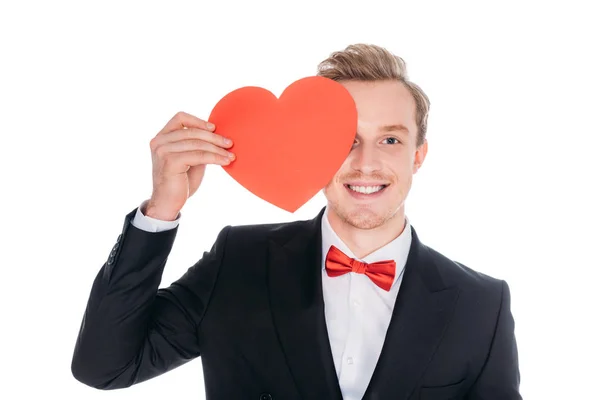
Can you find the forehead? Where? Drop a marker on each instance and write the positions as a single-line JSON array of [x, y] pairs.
[[381, 104]]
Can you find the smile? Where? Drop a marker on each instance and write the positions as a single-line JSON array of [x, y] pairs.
[[366, 189]]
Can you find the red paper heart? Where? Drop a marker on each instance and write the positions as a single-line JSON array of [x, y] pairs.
[[287, 149]]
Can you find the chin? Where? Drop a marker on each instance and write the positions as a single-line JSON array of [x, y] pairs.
[[360, 215], [365, 220]]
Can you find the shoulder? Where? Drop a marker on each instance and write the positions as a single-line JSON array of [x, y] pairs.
[[482, 299], [261, 234], [471, 282]]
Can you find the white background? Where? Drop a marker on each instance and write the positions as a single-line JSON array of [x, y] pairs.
[[509, 187]]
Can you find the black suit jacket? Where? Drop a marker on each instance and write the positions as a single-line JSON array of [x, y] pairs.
[[252, 309]]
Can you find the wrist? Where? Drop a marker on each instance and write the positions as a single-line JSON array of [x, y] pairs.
[[153, 211]]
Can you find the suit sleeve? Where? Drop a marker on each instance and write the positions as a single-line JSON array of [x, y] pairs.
[[132, 331], [500, 376]]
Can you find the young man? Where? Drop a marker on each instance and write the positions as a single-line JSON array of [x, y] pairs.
[[347, 305]]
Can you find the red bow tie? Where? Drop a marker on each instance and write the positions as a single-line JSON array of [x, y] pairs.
[[381, 273]]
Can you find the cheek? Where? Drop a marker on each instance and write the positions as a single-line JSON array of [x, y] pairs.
[[330, 187], [340, 172], [402, 166]]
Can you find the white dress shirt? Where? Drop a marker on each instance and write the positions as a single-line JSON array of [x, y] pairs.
[[357, 312]]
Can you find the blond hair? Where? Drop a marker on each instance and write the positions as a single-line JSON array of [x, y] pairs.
[[367, 62]]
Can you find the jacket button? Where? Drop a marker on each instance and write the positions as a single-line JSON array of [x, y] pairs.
[[265, 396]]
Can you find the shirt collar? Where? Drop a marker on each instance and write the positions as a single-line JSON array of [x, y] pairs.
[[396, 250]]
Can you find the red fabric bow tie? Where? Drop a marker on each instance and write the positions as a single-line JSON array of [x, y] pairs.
[[381, 273]]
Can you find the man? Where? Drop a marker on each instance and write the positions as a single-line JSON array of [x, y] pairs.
[[347, 305]]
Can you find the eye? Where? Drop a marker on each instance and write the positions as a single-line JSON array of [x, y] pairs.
[[391, 140]]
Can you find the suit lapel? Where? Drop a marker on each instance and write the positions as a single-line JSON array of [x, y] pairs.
[[422, 310], [296, 298]]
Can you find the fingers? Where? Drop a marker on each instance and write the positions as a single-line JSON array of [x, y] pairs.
[[187, 141], [184, 120], [181, 161], [190, 133], [193, 145]]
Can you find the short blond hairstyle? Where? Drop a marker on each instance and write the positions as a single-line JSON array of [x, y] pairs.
[[367, 62]]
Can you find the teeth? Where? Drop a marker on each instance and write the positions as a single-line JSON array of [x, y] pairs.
[[366, 189]]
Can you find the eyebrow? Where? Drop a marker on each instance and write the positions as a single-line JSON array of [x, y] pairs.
[[394, 127]]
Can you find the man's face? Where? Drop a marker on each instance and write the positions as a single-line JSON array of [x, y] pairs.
[[373, 183]]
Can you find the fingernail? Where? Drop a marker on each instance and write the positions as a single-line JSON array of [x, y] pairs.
[[231, 155], [210, 125], [227, 141]]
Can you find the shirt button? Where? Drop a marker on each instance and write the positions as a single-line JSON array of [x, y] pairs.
[[356, 303], [350, 361]]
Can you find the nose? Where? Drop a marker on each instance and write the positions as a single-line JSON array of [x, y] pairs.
[[364, 158]]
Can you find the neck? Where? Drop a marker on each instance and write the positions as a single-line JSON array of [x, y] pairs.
[[363, 242]]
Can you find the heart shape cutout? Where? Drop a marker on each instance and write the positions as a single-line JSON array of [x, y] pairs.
[[287, 148]]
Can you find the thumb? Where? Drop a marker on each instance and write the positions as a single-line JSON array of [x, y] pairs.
[[195, 175]]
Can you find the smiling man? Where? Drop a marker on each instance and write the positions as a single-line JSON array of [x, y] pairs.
[[349, 305], [366, 197]]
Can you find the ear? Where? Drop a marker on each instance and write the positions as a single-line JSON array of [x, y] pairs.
[[420, 156]]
